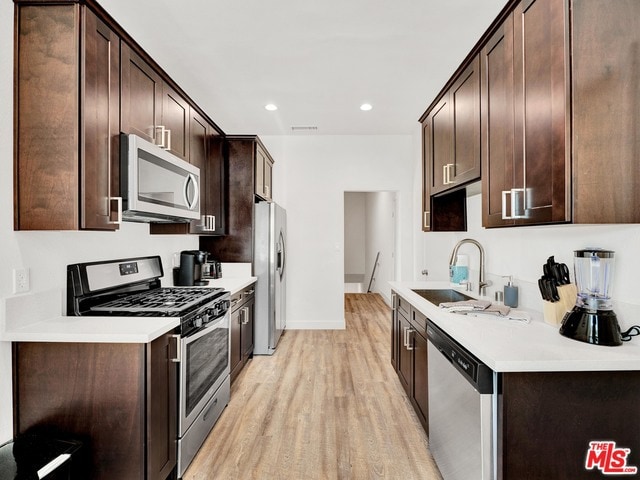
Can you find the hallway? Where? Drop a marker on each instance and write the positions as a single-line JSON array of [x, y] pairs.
[[326, 405]]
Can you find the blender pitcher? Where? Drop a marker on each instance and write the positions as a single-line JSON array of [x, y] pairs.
[[592, 319]]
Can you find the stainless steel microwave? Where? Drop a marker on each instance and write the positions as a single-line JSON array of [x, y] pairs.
[[155, 185]]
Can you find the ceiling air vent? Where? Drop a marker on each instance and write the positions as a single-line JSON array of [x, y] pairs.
[[304, 128]]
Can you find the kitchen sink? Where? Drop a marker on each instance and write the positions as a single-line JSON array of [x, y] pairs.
[[437, 297]]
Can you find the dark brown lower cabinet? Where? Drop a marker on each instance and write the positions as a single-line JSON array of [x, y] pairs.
[[547, 420], [411, 362], [119, 399], [242, 310]]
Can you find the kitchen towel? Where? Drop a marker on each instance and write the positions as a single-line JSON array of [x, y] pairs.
[[476, 306], [465, 305]]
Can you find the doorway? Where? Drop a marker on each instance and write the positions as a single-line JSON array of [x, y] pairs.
[[369, 234]]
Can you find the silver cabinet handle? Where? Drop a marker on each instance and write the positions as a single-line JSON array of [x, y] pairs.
[[449, 167], [245, 316], [160, 136], [513, 194], [444, 175], [118, 201], [407, 341], [208, 223], [163, 137], [176, 359]]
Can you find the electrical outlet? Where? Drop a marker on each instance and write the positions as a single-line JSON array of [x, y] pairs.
[[21, 280]]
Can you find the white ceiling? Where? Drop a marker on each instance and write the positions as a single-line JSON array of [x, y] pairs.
[[318, 60]]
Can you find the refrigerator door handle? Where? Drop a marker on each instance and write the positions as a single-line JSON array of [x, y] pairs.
[[281, 254]]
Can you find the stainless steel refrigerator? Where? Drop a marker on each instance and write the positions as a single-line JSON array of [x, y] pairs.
[[269, 265]]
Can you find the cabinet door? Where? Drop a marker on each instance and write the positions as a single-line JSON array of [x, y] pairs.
[[465, 107], [175, 123], [394, 330], [46, 134], [268, 178], [198, 154], [497, 125], [440, 154], [419, 380], [141, 101], [405, 357], [426, 176], [247, 329], [542, 163], [216, 181], [100, 156], [236, 343], [261, 161], [162, 407]]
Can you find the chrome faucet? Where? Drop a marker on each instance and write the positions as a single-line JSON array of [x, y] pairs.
[[482, 284]]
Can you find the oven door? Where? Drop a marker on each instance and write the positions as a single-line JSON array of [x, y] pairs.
[[204, 366]]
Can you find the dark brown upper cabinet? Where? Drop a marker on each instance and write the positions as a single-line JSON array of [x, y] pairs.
[[141, 102], [558, 85], [454, 153], [451, 150], [245, 155], [558, 98], [66, 163], [525, 93], [151, 108], [263, 169]]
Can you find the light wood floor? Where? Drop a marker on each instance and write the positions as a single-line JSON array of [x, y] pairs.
[[326, 405]]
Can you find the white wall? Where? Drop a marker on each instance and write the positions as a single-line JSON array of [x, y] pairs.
[[354, 232], [315, 171], [380, 234], [47, 254]]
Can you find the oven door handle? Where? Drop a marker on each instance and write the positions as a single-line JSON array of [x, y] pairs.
[[176, 359]]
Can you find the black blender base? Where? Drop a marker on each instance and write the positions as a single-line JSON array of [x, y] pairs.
[[599, 328]]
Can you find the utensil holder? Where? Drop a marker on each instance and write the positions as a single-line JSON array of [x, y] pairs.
[[554, 312]]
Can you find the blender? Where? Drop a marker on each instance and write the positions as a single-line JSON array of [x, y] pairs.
[[593, 320]]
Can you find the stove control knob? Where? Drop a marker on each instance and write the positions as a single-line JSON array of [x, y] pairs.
[[205, 318], [197, 322]]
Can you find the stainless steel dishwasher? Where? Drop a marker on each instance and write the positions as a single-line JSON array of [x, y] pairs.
[[461, 409]]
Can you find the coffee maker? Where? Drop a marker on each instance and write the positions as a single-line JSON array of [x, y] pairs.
[[593, 320], [189, 273]]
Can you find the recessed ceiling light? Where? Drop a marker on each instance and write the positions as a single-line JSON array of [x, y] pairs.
[[365, 107], [271, 107]]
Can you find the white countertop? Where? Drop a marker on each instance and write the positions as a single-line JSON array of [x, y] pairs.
[[514, 346], [232, 284], [38, 318]]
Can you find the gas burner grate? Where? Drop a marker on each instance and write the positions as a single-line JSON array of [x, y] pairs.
[[162, 300]]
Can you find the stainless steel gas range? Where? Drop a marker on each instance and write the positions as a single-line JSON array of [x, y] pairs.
[[131, 287]]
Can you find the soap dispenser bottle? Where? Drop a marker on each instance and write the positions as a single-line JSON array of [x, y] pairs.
[[510, 293]]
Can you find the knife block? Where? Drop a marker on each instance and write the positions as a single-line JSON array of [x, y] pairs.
[[554, 312]]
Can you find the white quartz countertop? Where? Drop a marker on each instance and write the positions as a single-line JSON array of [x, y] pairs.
[[39, 318], [232, 284], [92, 329], [515, 346]]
